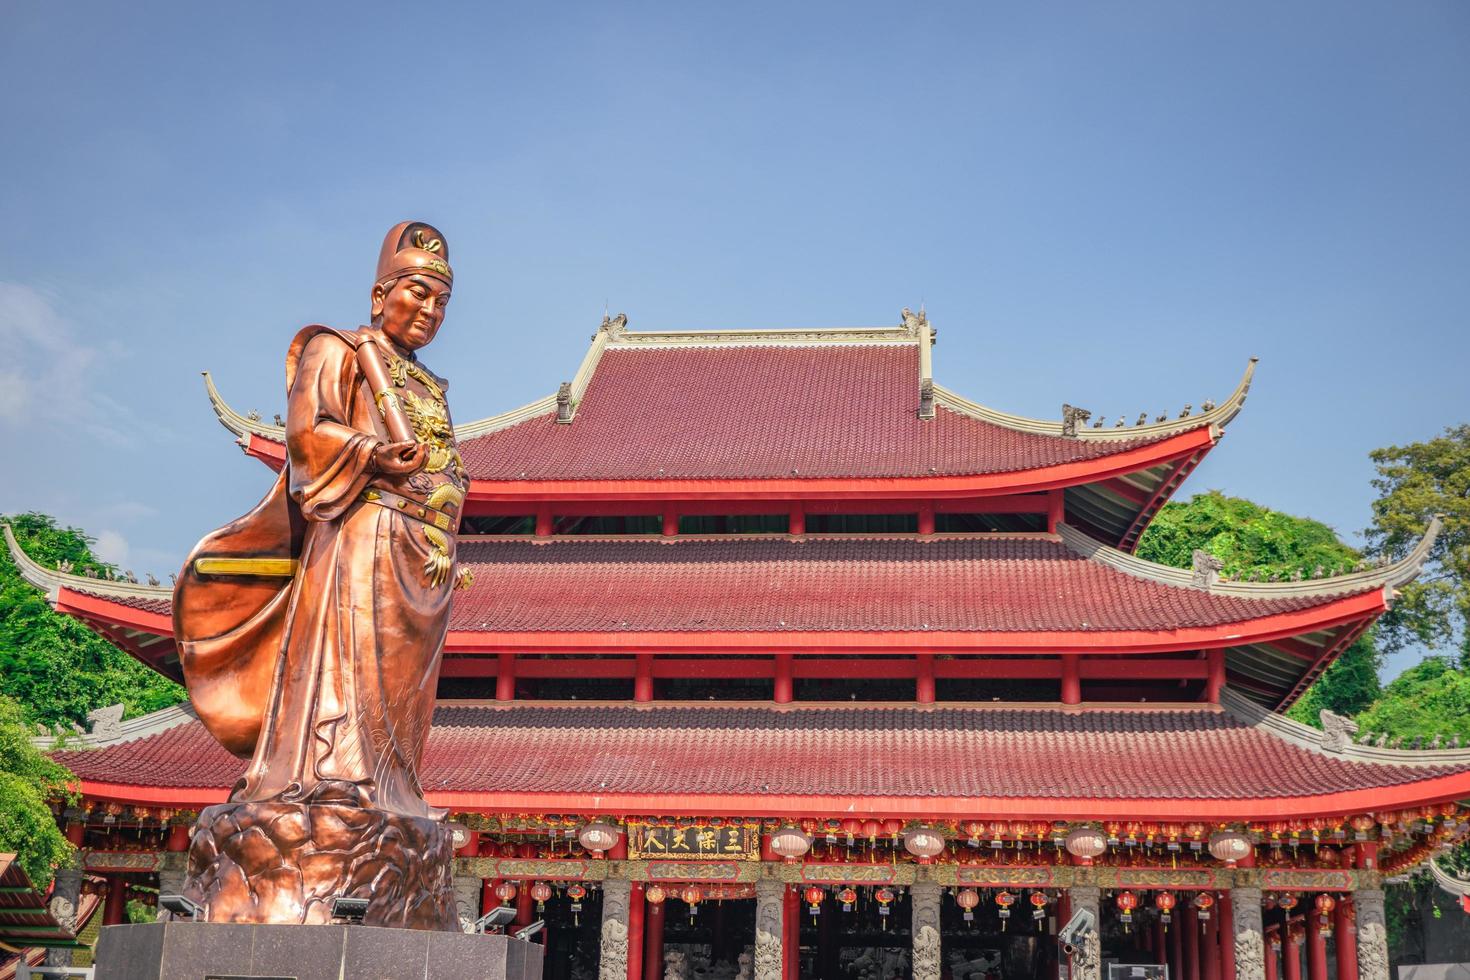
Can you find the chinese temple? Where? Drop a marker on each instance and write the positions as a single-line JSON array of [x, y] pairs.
[[783, 660]]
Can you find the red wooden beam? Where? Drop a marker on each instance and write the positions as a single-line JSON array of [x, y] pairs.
[[1172, 479], [1127, 491]]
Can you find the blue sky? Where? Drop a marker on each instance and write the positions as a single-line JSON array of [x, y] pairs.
[[1111, 204]]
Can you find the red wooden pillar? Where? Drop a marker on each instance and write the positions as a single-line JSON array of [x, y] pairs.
[[926, 518], [1160, 944], [1291, 953], [525, 909], [1226, 936], [543, 522], [784, 683], [791, 934], [1316, 947], [797, 523], [924, 678], [635, 931], [1190, 938], [505, 677], [1273, 953], [178, 837], [115, 911], [1071, 679], [1056, 510], [671, 522], [1176, 945], [653, 943], [1216, 678], [1209, 967], [643, 678], [1345, 931]]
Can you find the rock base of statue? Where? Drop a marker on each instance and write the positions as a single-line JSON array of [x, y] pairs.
[[205, 950], [280, 863]]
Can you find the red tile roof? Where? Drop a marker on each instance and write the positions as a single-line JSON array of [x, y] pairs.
[[752, 412], [1015, 752], [975, 583]]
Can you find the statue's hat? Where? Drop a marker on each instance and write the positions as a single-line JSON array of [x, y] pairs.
[[414, 247]]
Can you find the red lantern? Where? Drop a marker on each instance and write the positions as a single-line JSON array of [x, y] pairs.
[[1165, 902], [1325, 904], [848, 897], [540, 891], [576, 893], [871, 829], [655, 894], [1005, 900], [1038, 907], [883, 897], [814, 897], [1127, 902], [1286, 902], [1203, 902], [967, 899], [506, 892], [691, 895]]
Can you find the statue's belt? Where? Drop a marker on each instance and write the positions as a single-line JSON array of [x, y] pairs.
[[408, 507]]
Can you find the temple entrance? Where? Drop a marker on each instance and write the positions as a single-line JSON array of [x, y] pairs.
[[572, 937], [990, 945], [867, 938], [710, 939]]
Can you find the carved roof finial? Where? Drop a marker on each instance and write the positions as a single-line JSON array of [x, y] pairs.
[[1073, 418], [1206, 568], [564, 402], [914, 322], [614, 326]]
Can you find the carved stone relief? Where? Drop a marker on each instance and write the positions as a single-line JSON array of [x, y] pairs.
[[770, 897], [1250, 941], [927, 958], [1372, 935], [615, 903]]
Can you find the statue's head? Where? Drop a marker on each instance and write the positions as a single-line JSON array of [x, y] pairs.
[[413, 284]]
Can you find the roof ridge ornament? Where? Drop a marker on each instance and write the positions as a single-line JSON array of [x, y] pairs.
[[564, 402], [614, 326], [1073, 418], [914, 323], [1337, 731], [1205, 569]]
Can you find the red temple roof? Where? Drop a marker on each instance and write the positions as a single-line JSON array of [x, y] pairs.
[[1034, 760], [853, 413], [961, 594]]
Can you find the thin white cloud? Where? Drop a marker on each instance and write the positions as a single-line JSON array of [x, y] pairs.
[[51, 376], [111, 547]]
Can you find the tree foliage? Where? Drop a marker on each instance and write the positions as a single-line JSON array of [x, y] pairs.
[[54, 667], [1414, 483], [1255, 540], [28, 780]]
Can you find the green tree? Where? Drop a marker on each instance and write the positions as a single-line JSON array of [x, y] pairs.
[[1414, 483], [28, 782], [1430, 698], [53, 666], [1251, 539]]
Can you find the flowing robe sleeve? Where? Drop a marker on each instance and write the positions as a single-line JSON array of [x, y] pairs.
[[330, 461]]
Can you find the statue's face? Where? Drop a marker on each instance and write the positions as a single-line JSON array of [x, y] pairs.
[[411, 309]]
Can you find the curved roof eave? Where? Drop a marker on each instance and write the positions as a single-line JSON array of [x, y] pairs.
[[1386, 577], [52, 581], [1218, 417]]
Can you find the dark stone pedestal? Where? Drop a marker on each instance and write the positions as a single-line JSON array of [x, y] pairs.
[[207, 950]]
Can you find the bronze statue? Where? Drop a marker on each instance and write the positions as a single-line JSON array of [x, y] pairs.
[[310, 631]]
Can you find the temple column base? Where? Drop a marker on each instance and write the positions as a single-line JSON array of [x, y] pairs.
[[285, 863]]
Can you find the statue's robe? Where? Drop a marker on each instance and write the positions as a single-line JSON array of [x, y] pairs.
[[329, 681]]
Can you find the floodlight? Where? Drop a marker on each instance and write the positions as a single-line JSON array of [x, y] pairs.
[[531, 929], [348, 909], [179, 905], [496, 918]]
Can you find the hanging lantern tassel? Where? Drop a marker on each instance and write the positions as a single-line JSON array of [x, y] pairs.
[[1005, 900]]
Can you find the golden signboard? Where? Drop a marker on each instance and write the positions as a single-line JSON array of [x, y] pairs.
[[740, 843]]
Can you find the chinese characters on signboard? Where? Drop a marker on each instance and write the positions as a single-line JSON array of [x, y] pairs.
[[693, 842]]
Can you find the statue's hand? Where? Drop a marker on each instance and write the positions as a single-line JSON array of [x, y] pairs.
[[399, 458]]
